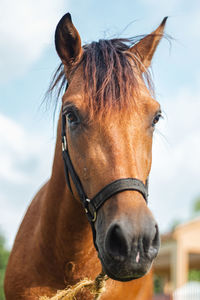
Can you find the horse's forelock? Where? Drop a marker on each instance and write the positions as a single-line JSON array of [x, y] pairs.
[[109, 78]]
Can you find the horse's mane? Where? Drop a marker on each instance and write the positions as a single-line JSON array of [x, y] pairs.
[[108, 74]]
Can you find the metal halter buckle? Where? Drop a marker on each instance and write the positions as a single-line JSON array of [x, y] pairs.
[[91, 217], [64, 143]]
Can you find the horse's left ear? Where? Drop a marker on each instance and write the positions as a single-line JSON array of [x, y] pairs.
[[67, 41], [146, 47]]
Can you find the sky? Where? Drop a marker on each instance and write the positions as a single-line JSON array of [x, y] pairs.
[[27, 130]]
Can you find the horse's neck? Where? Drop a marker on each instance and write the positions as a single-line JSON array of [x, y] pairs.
[[65, 229]]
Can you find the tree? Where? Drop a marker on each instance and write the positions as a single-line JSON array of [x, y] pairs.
[[174, 224], [4, 253], [194, 275], [196, 205]]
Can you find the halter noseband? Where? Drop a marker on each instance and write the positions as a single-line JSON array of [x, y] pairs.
[[91, 206]]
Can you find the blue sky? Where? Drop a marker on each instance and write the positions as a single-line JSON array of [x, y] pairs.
[[27, 62]]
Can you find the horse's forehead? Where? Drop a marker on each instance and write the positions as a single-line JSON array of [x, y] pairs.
[[75, 94], [142, 103], [141, 99]]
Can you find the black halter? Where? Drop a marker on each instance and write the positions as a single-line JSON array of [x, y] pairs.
[[91, 206]]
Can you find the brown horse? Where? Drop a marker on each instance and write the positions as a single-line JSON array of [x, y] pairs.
[[107, 124]]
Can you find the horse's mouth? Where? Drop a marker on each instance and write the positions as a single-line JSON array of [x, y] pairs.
[[124, 278], [126, 275]]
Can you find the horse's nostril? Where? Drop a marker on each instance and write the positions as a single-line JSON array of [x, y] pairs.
[[119, 245], [153, 245], [116, 244], [156, 240]]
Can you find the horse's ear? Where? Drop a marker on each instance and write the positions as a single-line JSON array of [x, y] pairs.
[[67, 41], [146, 47]]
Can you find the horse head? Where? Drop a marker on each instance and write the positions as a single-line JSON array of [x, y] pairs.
[[109, 116]]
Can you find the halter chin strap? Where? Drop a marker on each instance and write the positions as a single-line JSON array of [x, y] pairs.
[[91, 206]]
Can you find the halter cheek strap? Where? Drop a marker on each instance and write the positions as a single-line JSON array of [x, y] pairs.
[[92, 206]]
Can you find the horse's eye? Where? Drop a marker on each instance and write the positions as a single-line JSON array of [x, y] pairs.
[[156, 118], [72, 118]]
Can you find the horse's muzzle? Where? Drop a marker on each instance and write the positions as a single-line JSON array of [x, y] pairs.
[[127, 253]]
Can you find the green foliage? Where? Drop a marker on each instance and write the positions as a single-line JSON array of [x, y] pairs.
[[196, 205], [174, 224], [3, 262], [194, 275], [158, 284]]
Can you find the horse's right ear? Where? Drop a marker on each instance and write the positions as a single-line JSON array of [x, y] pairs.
[[67, 41]]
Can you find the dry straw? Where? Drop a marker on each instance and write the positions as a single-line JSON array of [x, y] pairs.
[[96, 287]]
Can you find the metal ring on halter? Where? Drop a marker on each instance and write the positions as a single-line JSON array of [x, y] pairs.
[[91, 215], [64, 143]]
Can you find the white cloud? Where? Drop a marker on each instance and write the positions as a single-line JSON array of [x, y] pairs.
[[26, 28], [12, 145], [18, 150], [25, 163]]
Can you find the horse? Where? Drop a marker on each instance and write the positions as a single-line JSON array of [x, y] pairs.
[[92, 214]]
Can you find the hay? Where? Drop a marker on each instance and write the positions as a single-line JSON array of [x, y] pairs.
[[96, 287]]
